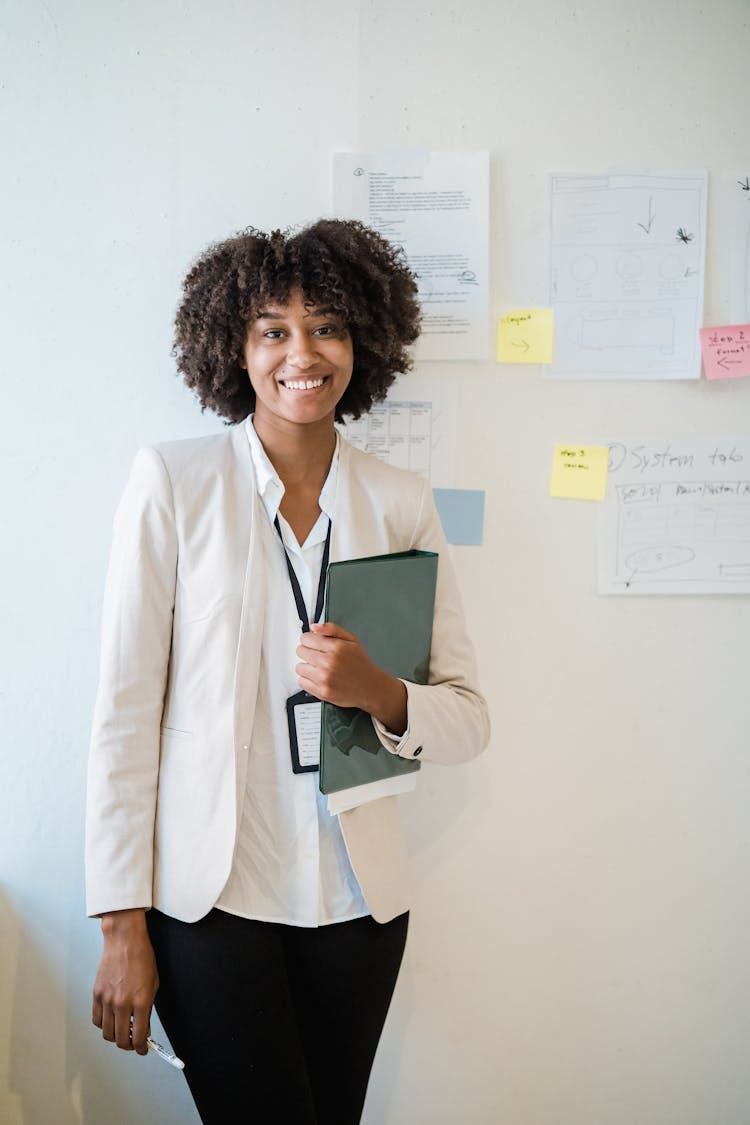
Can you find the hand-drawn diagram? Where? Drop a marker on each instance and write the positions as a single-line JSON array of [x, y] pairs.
[[739, 246], [677, 518], [627, 267]]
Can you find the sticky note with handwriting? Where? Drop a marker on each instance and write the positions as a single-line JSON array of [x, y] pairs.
[[525, 336], [726, 351], [579, 472]]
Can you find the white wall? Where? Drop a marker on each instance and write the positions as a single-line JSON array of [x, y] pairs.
[[578, 952]]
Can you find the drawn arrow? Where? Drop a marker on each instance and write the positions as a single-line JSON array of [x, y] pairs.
[[745, 184], [523, 345], [651, 216], [723, 362]]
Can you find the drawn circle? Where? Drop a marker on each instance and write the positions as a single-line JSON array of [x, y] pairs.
[[671, 267], [650, 559], [584, 268], [629, 266]]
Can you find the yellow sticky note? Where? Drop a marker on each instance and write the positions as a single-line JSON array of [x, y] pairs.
[[579, 472], [525, 336]]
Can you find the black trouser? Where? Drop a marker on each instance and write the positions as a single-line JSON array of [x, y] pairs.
[[276, 1023]]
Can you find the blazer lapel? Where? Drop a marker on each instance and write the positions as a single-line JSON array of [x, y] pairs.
[[247, 662], [358, 530]]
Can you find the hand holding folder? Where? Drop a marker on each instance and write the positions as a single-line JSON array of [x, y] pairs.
[[388, 602]]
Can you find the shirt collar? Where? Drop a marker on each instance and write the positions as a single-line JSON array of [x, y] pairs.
[[268, 483]]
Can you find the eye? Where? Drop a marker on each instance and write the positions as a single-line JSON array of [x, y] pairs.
[[273, 334]]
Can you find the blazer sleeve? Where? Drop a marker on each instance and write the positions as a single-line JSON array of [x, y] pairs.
[[448, 719], [135, 649]]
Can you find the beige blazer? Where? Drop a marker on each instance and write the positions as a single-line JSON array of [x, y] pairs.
[[181, 636]]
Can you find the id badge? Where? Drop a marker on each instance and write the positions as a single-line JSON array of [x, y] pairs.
[[304, 714]]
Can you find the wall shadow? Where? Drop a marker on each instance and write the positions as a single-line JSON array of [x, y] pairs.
[[60, 1071], [36, 1078], [108, 1085]]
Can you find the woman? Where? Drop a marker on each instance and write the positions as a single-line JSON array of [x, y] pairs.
[[268, 932]]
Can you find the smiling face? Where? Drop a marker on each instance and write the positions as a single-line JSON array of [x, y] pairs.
[[299, 359]]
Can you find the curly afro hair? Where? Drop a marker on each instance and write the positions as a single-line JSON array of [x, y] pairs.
[[337, 264]]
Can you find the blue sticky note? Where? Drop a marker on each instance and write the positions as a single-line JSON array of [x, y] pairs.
[[461, 512]]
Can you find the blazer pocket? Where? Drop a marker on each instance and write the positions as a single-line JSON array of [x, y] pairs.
[[175, 732], [189, 612]]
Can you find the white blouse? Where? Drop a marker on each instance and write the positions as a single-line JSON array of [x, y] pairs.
[[290, 862]]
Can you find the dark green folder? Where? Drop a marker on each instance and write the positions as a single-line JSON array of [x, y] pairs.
[[388, 602]]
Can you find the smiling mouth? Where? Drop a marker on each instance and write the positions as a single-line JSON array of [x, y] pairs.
[[304, 384]]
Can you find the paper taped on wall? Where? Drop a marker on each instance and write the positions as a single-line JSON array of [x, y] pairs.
[[627, 267], [415, 428], [436, 206], [676, 519]]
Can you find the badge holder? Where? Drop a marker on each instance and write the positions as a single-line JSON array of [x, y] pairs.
[[304, 713]]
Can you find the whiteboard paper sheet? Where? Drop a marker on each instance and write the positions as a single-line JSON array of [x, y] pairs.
[[627, 255], [676, 519], [739, 246], [436, 206], [415, 428]]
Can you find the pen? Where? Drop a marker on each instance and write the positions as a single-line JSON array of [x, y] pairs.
[[163, 1053]]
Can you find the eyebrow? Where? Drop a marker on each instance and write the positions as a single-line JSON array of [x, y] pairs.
[[324, 311]]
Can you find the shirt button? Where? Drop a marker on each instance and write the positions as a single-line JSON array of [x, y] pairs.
[[245, 746]]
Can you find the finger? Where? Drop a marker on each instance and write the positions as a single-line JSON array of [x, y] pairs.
[[312, 642], [308, 672], [315, 656], [108, 1023], [330, 629], [140, 1029], [122, 1028], [308, 683], [96, 1012], [308, 642]]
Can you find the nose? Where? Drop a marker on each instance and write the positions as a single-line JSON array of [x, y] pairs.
[[301, 352]]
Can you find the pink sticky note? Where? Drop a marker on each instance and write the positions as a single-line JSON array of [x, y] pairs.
[[726, 351]]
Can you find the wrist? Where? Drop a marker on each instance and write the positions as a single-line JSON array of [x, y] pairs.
[[389, 704], [116, 923]]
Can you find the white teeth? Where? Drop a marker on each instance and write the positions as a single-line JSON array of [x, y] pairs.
[[304, 384]]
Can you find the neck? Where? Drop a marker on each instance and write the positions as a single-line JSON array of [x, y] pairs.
[[297, 453]]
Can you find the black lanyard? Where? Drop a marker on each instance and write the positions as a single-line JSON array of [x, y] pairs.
[[301, 607]]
